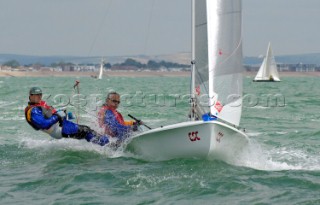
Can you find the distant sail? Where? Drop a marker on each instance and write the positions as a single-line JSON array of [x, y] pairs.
[[101, 69], [268, 69]]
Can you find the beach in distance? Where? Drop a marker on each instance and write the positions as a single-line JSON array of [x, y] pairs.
[[131, 74]]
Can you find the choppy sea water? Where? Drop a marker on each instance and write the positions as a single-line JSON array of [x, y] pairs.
[[280, 166]]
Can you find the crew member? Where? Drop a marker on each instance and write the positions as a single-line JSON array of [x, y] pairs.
[[43, 117], [112, 121]]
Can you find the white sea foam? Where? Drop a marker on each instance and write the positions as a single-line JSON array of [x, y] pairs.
[[253, 134], [48, 144], [7, 104], [259, 107], [275, 159]]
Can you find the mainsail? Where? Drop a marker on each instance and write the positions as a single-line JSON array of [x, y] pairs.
[[218, 58]]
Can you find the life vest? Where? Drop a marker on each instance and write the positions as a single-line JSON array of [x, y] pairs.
[[118, 116], [47, 111]]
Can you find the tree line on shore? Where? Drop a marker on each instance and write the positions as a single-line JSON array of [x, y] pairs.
[[129, 62]]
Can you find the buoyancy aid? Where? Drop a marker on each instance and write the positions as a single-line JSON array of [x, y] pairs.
[[47, 111]]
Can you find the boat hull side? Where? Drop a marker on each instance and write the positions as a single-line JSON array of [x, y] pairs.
[[185, 140]]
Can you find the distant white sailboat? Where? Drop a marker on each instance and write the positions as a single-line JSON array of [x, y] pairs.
[[101, 69], [216, 91], [268, 70]]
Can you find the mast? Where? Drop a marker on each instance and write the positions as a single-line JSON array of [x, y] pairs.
[[192, 89]]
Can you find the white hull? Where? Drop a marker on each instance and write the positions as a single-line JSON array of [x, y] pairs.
[[194, 139]]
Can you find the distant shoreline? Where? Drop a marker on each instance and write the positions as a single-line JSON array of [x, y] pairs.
[[132, 74], [94, 74]]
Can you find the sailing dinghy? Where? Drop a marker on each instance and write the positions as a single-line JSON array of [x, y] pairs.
[[216, 91], [268, 70]]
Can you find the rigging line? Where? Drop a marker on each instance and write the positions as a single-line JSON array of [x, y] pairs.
[[77, 106], [99, 29], [91, 121], [148, 27], [76, 87]]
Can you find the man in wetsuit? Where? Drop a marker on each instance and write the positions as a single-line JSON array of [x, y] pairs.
[[43, 117]]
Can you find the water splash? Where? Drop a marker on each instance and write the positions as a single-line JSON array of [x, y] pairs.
[[65, 144], [262, 157]]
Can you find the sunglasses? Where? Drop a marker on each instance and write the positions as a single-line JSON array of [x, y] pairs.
[[35, 94], [115, 101]]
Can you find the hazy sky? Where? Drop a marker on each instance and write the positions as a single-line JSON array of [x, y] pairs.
[[151, 27]]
